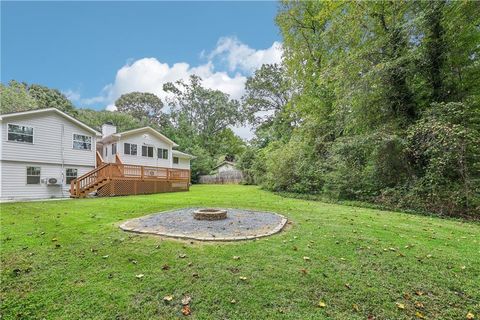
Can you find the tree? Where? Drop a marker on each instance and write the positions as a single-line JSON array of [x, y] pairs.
[[14, 97], [201, 112], [122, 121], [50, 98], [142, 105]]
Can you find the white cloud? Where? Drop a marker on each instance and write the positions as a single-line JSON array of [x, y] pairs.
[[240, 56], [149, 74], [72, 95]]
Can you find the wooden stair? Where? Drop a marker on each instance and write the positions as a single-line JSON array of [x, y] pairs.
[[133, 179]]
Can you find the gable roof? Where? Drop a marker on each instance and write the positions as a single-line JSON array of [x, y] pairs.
[[46, 110], [140, 130], [182, 154], [224, 162]]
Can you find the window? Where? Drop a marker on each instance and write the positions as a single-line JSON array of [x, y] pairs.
[[106, 151], [130, 149], [20, 133], [70, 174], [162, 153], [175, 160], [33, 175], [81, 142], [114, 148], [147, 151]]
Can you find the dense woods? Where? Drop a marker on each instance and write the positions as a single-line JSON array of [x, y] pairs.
[[375, 101], [383, 105]]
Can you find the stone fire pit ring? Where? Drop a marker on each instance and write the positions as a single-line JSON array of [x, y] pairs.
[[210, 214], [219, 224]]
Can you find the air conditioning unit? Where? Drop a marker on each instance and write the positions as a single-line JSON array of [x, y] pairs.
[[52, 181]]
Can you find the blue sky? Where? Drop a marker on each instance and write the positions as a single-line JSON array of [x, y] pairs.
[[95, 51]]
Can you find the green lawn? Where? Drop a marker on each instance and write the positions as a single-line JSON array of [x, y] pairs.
[[69, 260]]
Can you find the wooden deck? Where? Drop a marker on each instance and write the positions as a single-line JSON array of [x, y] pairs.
[[115, 179]]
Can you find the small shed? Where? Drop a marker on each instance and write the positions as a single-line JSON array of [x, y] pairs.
[[223, 173]]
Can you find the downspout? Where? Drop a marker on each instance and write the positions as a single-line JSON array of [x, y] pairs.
[[63, 159]]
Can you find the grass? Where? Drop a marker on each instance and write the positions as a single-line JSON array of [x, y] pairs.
[[69, 260]]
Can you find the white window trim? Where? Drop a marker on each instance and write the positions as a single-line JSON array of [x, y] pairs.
[[22, 125], [70, 176], [153, 151], [27, 175], [81, 134], [128, 154]]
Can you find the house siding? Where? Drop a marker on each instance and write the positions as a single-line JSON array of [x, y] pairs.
[[52, 146], [142, 139], [48, 141], [183, 163], [14, 180]]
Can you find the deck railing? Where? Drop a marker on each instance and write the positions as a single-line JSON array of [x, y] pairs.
[[122, 171]]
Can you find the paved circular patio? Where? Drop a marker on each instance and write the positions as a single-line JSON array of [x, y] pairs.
[[239, 225]]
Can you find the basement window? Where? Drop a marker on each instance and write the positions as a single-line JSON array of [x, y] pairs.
[[33, 175], [70, 175]]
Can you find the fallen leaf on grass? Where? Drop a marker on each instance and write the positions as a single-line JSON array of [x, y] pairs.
[[54, 239], [304, 271], [236, 257], [419, 315], [419, 293], [348, 286], [470, 316], [233, 301], [139, 276], [183, 255], [165, 267], [105, 256], [306, 258], [419, 305], [243, 278], [400, 305], [186, 311], [322, 304], [168, 298], [186, 300], [356, 308]]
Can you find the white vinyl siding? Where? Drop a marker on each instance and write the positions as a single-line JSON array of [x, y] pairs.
[[14, 184], [53, 136]]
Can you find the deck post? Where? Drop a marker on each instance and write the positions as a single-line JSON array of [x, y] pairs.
[[141, 172]]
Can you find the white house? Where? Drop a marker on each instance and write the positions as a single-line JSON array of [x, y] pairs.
[[41, 151], [142, 146]]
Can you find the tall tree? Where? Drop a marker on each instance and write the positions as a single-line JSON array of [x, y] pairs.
[[142, 105], [200, 111], [14, 97]]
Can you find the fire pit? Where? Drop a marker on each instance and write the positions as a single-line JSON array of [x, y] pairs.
[[208, 224], [210, 214]]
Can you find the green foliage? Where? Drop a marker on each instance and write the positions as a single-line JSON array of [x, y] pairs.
[[50, 98], [385, 101], [123, 121], [142, 105], [14, 97]]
